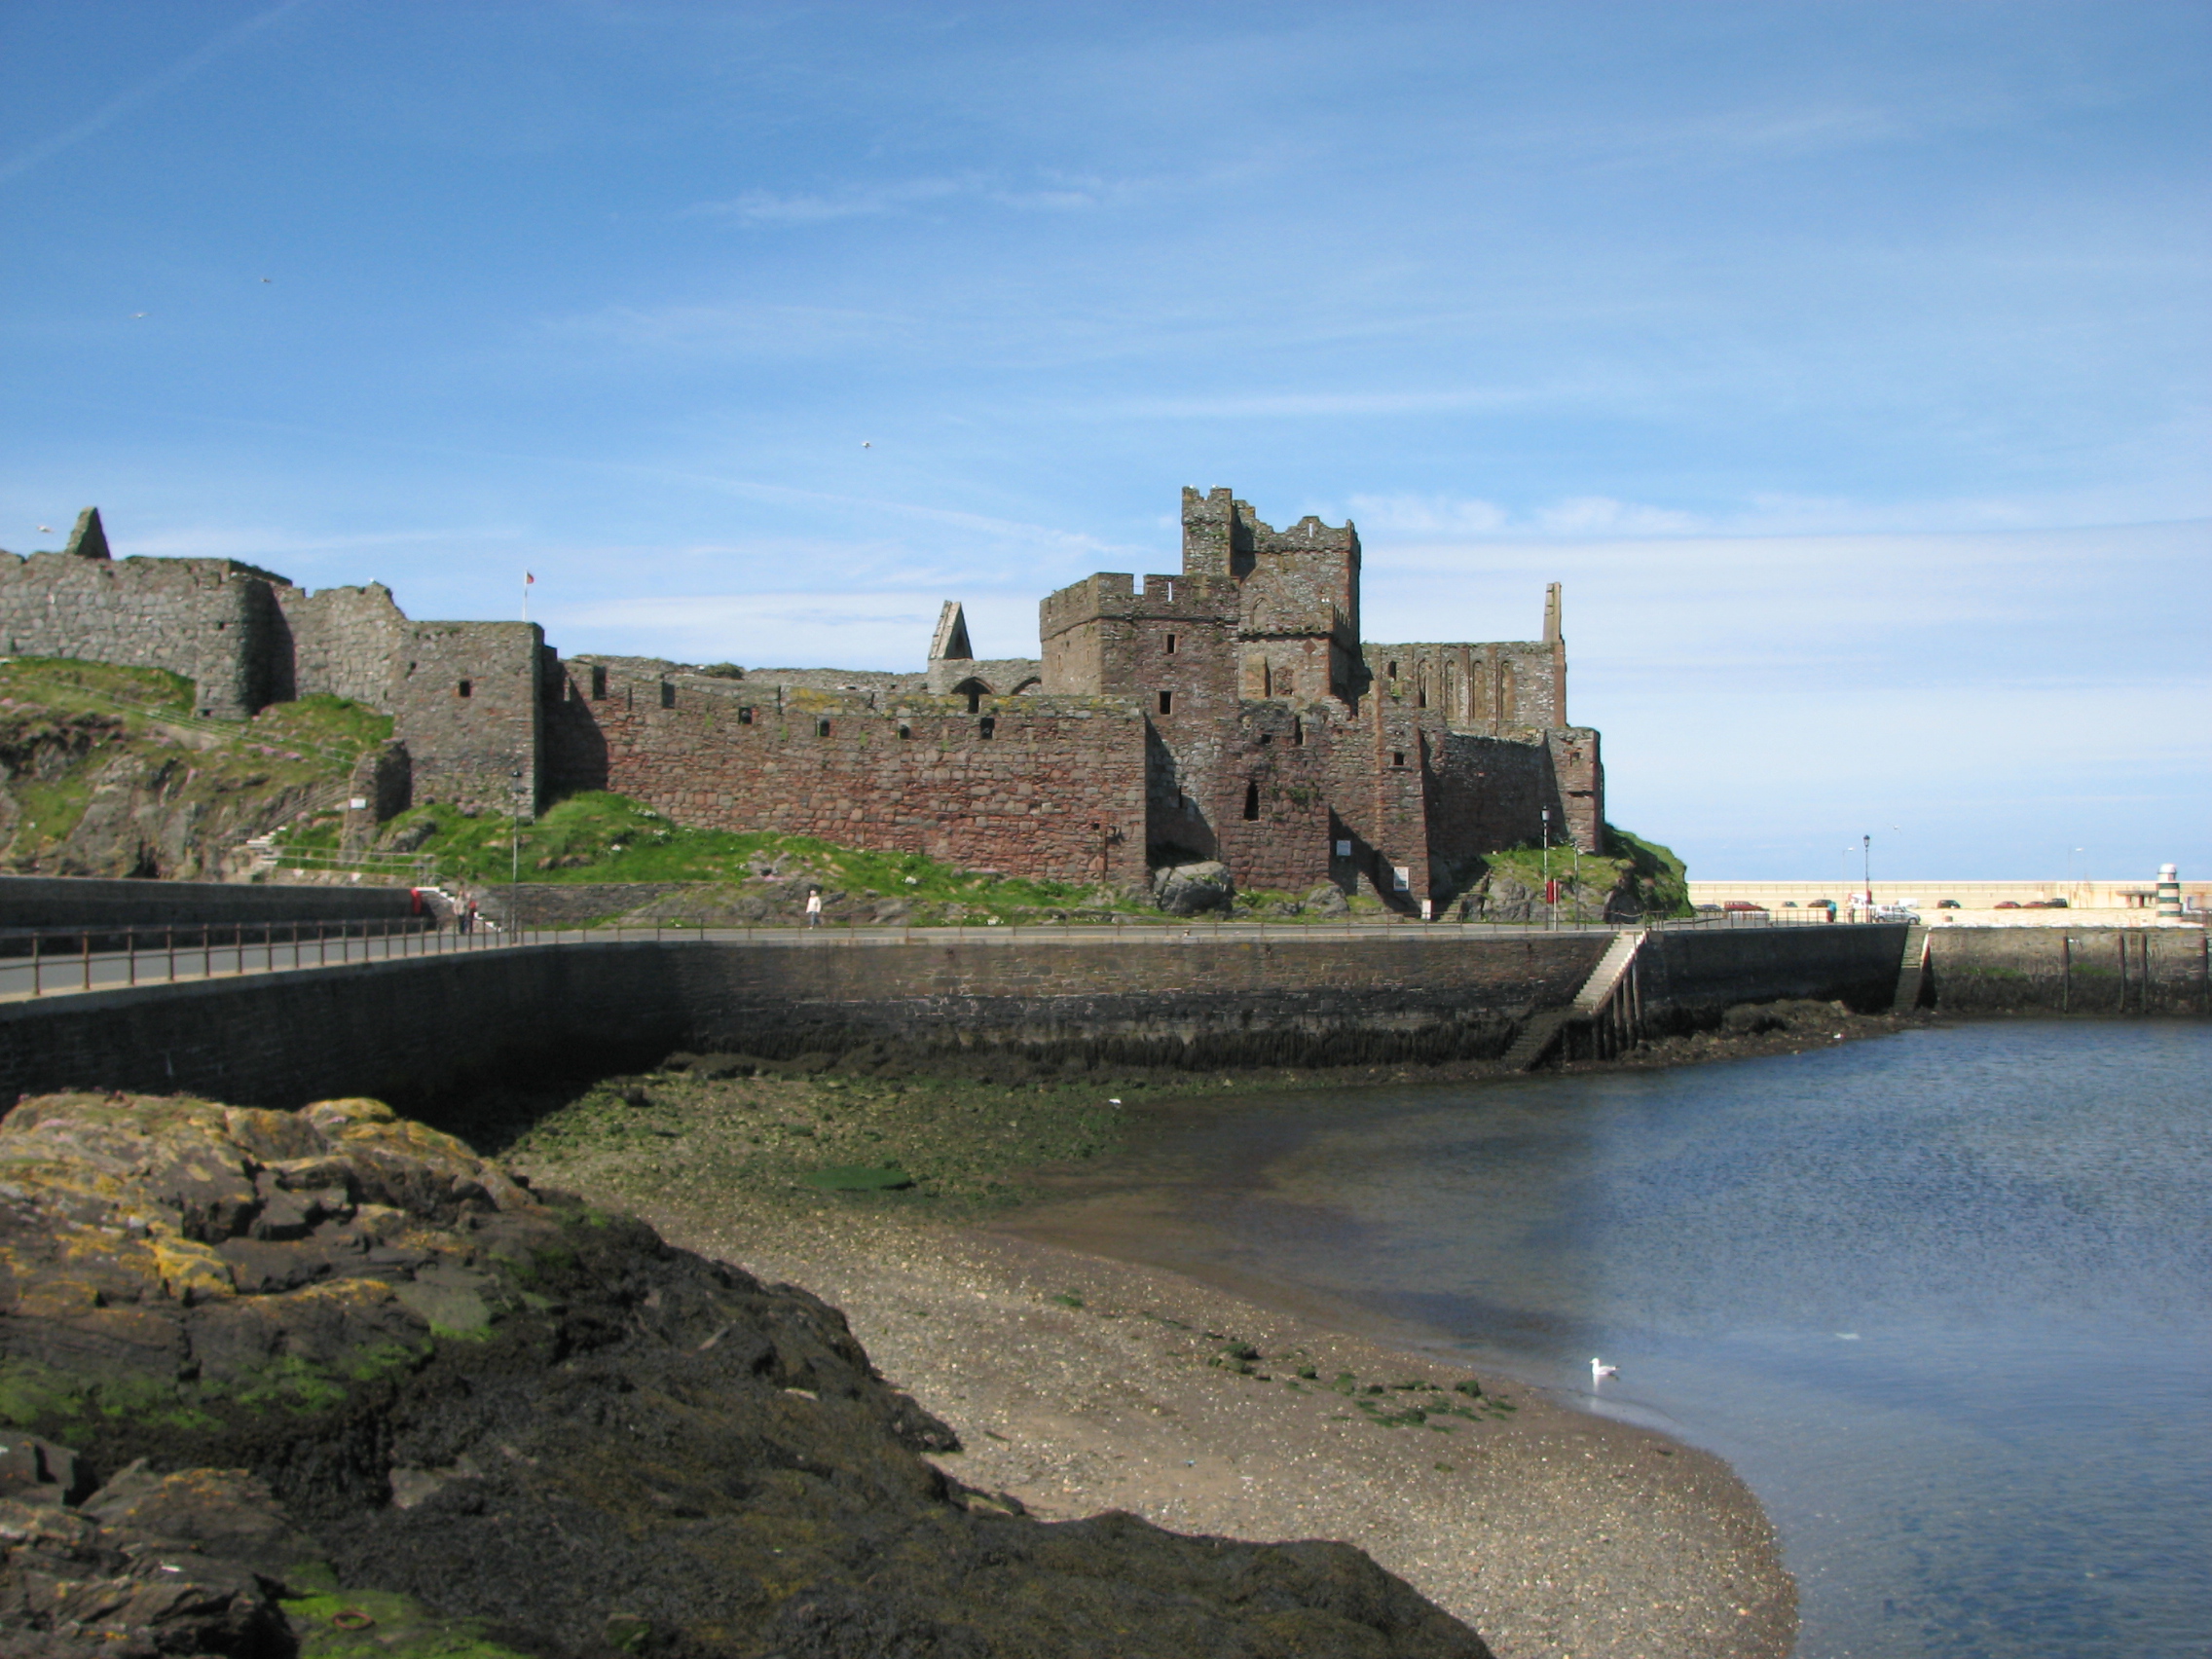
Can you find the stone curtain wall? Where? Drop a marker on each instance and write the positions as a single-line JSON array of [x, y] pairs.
[[212, 621], [343, 641], [1514, 688], [1041, 786]]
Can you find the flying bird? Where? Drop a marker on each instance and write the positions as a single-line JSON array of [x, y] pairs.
[[265, 279], [46, 530], [1599, 1370], [137, 313], [864, 444]]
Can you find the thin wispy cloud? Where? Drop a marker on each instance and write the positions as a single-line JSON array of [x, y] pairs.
[[124, 102], [1044, 194]]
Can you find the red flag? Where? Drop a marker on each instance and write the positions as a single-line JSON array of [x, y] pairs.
[[528, 579], [1551, 891]]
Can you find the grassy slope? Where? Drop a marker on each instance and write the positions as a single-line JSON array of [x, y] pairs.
[[66, 727]]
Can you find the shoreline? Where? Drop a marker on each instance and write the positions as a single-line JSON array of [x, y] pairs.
[[1079, 1383]]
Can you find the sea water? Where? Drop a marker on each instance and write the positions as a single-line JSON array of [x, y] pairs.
[[1944, 1300]]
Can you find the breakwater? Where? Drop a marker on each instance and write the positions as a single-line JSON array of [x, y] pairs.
[[413, 1029]]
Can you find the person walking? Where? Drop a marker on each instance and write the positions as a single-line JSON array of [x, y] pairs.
[[463, 913], [814, 906], [469, 918]]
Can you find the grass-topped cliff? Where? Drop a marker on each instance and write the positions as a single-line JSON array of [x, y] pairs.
[[104, 771]]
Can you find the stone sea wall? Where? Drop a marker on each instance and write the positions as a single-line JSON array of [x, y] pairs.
[[2063, 970], [414, 1030]]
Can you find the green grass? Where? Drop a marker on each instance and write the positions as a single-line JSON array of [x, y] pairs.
[[66, 727], [1653, 874]]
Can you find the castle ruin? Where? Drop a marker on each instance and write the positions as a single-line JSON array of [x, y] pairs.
[[1229, 710]]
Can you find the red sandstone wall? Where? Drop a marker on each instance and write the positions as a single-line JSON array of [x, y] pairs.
[[1056, 789]]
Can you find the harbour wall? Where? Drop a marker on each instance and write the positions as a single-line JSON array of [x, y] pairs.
[[80, 901], [2108, 971], [417, 1030]]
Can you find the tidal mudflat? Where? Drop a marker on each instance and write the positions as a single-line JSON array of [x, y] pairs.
[[1080, 1384]]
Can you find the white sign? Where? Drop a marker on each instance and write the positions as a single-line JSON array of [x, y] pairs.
[[1343, 849], [1402, 877], [358, 802]]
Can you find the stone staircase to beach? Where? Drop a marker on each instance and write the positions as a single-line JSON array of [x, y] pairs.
[[1541, 1034]]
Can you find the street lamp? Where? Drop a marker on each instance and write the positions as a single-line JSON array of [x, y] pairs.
[[514, 863], [1866, 871], [1551, 904]]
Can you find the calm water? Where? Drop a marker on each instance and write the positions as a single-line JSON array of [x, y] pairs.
[[1944, 1300]]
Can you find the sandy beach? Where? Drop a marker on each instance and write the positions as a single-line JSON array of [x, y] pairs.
[[1079, 1384]]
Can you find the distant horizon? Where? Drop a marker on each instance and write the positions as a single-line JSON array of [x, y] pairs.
[[1846, 363]]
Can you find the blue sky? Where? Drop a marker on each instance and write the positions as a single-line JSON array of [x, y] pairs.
[[1849, 363]]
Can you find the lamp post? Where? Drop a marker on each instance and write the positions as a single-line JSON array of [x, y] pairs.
[[514, 862], [1551, 904], [1866, 871]]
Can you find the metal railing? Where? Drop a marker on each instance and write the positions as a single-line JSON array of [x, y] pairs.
[[100, 955]]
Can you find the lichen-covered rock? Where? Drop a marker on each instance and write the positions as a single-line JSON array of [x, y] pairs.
[[334, 1347], [1191, 889]]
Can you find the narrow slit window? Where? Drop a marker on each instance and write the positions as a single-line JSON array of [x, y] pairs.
[[463, 689], [1167, 702], [975, 702], [1297, 734], [988, 727], [1251, 801], [1393, 671], [1397, 756], [1171, 645], [667, 694], [821, 728], [599, 685]]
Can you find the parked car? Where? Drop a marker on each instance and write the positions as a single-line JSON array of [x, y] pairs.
[[1744, 904], [1946, 904], [2006, 904]]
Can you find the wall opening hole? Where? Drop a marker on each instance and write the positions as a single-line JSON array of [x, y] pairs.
[[745, 714], [988, 727], [1167, 702], [599, 685], [1171, 645], [667, 694], [463, 689], [1251, 801], [1297, 734], [906, 731], [1393, 671], [1397, 756], [821, 728]]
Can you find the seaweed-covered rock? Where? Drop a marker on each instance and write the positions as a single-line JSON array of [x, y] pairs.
[[334, 1347]]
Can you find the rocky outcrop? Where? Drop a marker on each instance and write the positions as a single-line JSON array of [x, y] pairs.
[[1194, 889], [335, 1348]]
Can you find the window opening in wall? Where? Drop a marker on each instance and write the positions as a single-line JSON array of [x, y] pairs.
[[821, 728], [1267, 680], [1265, 738], [1167, 702], [906, 731], [1393, 671], [1251, 801], [1171, 645], [988, 727], [1397, 756], [975, 702], [1343, 849], [463, 689], [1297, 734], [599, 684], [667, 694], [745, 714]]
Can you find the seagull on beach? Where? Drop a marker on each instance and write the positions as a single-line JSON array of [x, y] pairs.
[[1599, 1370]]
